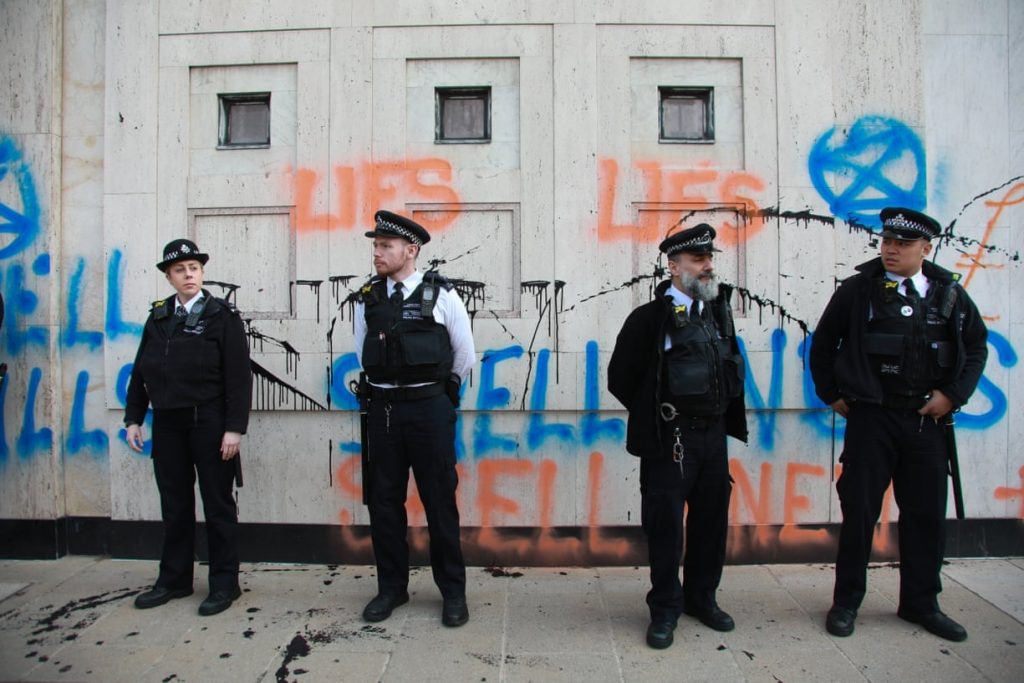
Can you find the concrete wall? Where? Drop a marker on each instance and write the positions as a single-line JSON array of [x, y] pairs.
[[825, 111]]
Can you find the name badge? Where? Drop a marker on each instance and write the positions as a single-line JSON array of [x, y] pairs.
[[907, 311]]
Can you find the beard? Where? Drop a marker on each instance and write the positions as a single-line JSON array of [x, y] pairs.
[[701, 290]]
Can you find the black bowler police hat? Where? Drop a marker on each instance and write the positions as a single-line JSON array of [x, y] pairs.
[[700, 239], [392, 225], [181, 250], [907, 224]]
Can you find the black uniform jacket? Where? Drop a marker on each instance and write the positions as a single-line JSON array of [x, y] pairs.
[[179, 367], [839, 364], [633, 374]]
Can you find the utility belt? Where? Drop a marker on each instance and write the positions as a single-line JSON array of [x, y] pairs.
[[406, 393], [903, 402], [669, 413]]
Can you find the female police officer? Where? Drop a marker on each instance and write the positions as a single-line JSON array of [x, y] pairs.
[[193, 366]]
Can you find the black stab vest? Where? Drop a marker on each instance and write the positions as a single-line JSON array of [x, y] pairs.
[[910, 344], [406, 347], [700, 373]]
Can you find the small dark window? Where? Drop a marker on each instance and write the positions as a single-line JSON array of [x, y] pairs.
[[244, 120], [462, 115], [687, 114]]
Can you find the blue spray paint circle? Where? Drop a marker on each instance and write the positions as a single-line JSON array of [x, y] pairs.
[[880, 162], [21, 222]]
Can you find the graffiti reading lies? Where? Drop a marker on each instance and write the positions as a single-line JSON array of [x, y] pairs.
[[694, 190], [362, 189]]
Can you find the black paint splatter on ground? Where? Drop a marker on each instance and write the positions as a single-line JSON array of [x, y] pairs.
[[225, 655], [721, 647], [170, 678], [49, 623], [303, 642], [248, 633], [499, 572], [298, 647], [750, 655]]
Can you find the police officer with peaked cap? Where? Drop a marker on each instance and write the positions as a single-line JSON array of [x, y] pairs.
[[414, 342], [899, 347], [193, 367], [677, 368]]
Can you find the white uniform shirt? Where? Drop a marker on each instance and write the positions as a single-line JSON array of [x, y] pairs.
[[679, 298], [918, 278], [920, 284], [188, 304], [448, 311]]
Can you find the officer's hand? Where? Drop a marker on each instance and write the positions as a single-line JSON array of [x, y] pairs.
[[937, 406], [841, 407], [451, 389], [134, 438], [229, 445]]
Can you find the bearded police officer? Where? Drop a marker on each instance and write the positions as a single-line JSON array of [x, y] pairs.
[[899, 348], [677, 369], [413, 339]]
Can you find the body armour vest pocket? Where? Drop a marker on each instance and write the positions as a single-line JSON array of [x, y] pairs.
[[886, 352], [422, 347], [734, 372], [943, 353], [688, 377], [375, 350]]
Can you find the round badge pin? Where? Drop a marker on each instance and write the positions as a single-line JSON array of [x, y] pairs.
[[907, 311]]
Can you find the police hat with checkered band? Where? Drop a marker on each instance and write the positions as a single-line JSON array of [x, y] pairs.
[[700, 239], [907, 224], [392, 225], [181, 250]]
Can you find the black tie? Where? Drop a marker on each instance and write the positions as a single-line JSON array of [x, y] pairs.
[[180, 312], [695, 310], [912, 293], [397, 300]]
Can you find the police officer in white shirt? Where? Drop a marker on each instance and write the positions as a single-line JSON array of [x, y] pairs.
[[414, 342]]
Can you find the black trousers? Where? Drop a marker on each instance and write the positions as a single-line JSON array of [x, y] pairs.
[[885, 445], [703, 487], [419, 434], [186, 442]]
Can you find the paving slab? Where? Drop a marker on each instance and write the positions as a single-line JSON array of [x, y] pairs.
[[73, 619]]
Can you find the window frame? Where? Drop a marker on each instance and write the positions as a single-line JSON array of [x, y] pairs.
[[225, 101], [443, 94], [705, 93]]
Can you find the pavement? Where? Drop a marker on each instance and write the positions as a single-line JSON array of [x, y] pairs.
[[72, 619]]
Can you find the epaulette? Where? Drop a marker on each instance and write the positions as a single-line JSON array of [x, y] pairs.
[[889, 289], [232, 308], [435, 278], [160, 309], [366, 293]]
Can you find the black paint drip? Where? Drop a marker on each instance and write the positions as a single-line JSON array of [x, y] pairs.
[[271, 393]]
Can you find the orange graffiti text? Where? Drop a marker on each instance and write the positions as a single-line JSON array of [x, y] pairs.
[[357, 192], [700, 189]]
